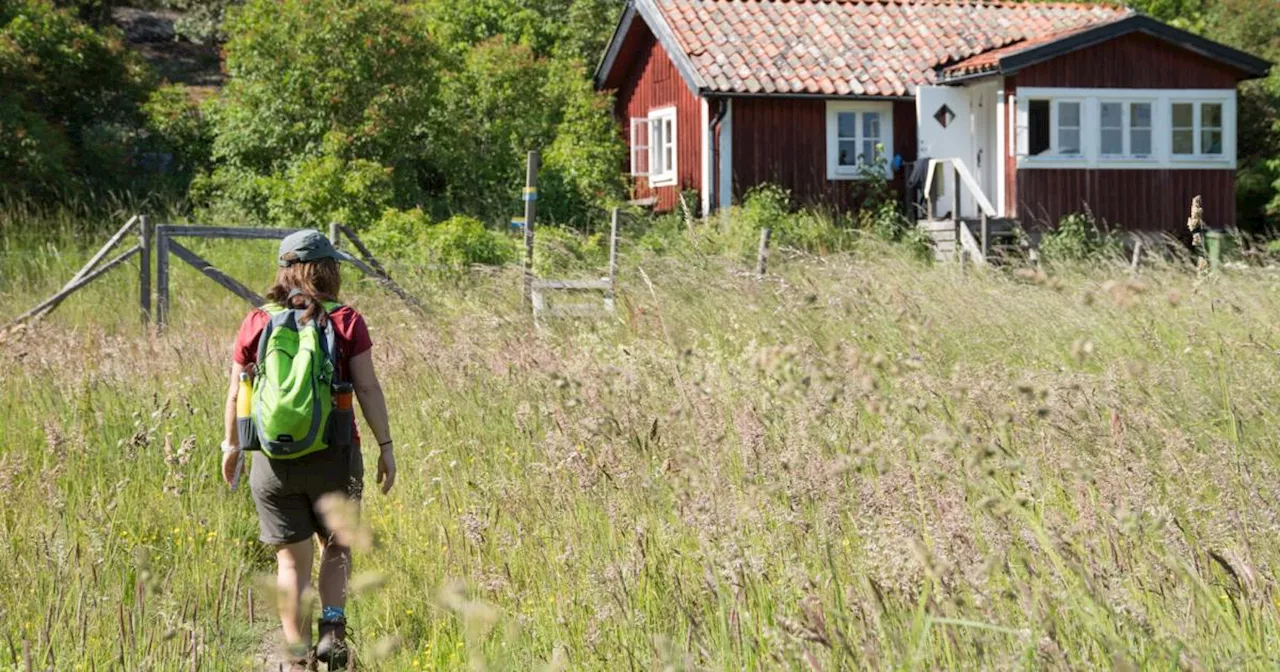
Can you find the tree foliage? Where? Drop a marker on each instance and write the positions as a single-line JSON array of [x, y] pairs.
[[321, 92], [70, 103]]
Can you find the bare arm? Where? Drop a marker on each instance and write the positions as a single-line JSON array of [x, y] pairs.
[[229, 413], [373, 405], [230, 458]]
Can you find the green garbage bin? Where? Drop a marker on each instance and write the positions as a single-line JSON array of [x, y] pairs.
[[1214, 242]]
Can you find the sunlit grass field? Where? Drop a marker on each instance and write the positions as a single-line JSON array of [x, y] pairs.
[[856, 462]]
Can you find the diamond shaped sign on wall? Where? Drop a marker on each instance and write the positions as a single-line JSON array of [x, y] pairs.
[[944, 116]]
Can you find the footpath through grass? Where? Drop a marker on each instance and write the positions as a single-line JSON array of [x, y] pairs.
[[859, 462]]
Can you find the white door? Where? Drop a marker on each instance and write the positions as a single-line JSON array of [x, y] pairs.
[[984, 153], [944, 121]]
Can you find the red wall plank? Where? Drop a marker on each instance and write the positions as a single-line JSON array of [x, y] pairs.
[[1147, 200], [784, 141], [1133, 61], [652, 83]]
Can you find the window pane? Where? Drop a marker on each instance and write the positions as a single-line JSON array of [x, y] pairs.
[[848, 153], [1211, 142], [1140, 115], [1112, 115], [869, 151], [1112, 141], [871, 125], [847, 124], [1140, 142], [1184, 142], [1069, 114], [655, 148], [1182, 116], [1069, 141], [1211, 115]]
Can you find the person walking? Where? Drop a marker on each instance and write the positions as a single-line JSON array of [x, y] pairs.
[[295, 348]]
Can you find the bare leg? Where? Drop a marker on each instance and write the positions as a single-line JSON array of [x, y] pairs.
[[292, 579], [335, 569]]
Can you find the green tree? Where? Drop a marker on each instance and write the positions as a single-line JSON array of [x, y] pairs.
[[573, 29], [70, 103]]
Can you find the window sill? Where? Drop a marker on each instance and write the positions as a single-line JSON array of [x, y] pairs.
[[1124, 163], [853, 176]]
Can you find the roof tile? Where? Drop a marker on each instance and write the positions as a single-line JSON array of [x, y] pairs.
[[866, 47]]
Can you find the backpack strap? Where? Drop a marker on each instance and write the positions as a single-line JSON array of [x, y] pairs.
[[332, 348]]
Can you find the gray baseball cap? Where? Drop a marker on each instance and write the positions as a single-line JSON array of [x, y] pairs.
[[306, 245]]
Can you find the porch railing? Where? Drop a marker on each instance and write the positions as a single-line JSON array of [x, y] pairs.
[[977, 246]]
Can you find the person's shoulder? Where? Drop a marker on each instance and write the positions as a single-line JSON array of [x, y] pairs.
[[345, 313], [256, 317]]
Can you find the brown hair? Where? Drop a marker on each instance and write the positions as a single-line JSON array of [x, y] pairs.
[[310, 284]]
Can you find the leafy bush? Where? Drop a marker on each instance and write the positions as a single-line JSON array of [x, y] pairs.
[[461, 241], [560, 250], [67, 89], [326, 189], [1078, 238], [178, 125]]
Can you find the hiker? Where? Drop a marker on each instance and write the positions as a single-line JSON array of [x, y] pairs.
[[302, 317]]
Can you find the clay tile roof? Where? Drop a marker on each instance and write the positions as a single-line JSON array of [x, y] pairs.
[[989, 61], [863, 47]]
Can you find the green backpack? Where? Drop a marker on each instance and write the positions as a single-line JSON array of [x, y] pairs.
[[296, 372]]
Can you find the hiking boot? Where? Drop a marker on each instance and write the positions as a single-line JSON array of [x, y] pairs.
[[302, 663], [332, 649]]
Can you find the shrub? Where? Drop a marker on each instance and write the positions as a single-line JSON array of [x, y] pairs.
[[458, 242], [320, 190], [461, 241], [179, 127], [559, 250], [397, 235], [66, 89], [1078, 238]]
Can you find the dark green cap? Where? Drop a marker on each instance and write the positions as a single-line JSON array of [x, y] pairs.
[[306, 245]]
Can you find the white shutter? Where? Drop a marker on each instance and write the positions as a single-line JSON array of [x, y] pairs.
[[1022, 140], [639, 147]]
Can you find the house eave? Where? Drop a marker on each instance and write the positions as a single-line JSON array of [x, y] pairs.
[[610, 57], [800, 95], [1250, 65]]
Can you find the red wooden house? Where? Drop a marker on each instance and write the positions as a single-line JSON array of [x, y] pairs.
[[1049, 109]]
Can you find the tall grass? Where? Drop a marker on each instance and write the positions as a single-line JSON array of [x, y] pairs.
[[858, 462]]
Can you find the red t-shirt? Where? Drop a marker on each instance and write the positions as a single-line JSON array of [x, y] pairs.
[[350, 331]]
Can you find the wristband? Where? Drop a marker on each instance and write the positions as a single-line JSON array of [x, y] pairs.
[[227, 447], [386, 443]]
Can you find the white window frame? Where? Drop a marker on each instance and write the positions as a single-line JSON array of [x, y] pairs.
[[1198, 129], [1161, 101], [1056, 127], [835, 171], [640, 146], [665, 175], [1127, 129]]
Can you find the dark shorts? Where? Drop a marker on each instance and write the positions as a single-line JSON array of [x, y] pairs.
[[287, 492]]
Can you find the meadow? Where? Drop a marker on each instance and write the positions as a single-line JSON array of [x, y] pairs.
[[859, 461]]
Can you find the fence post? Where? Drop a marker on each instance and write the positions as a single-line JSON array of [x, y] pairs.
[[335, 235], [955, 208], [530, 211], [1137, 256], [762, 257], [986, 236], [613, 252], [162, 278], [144, 268]]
